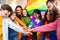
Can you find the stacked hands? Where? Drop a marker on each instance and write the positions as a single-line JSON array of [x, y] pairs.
[[27, 31]]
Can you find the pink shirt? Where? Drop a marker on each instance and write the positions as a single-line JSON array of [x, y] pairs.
[[50, 27]]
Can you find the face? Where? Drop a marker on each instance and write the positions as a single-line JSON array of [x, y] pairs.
[[24, 13], [19, 11], [13, 16], [36, 15], [5, 13], [49, 16], [50, 6], [56, 4]]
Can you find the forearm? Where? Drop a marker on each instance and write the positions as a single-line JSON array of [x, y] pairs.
[[45, 28]]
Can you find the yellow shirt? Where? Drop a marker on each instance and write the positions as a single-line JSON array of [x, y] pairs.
[[1, 25]]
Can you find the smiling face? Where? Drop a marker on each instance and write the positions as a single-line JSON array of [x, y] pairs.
[[49, 15], [5, 13], [36, 15], [19, 11], [24, 13], [13, 16]]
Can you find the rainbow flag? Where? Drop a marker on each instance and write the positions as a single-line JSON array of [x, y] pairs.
[[36, 4]]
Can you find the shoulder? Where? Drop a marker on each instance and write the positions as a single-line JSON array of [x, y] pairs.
[[57, 20], [7, 20]]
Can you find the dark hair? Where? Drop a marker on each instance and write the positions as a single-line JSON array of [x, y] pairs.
[[38, 12], [45, 17], [53, 13], [12, 14], [19, 16], [18, 6], [52, 1], [6, 7]]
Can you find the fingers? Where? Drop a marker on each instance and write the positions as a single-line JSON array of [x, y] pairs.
[[30, 30], [27, 33]]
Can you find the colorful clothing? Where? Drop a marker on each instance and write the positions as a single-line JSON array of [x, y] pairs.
[[8, 23], [26, 20], [52, 34], [23, 25], [20, 22], [34, 23], [45, 35], [13, 35], [1, 19], [50, 27]]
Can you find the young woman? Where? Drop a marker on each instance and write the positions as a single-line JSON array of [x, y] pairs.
[[13, 34], [26, 19], [48, 18], [19, 12], [35, 21]]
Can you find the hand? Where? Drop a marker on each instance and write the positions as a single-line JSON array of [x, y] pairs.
[[27, 33], [29, 30]]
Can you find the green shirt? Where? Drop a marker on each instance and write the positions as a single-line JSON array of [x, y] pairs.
[[26, 20]]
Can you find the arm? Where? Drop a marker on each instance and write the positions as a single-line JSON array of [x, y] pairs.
[[8, 23], [5, 30], [46, 28], [15, 26]]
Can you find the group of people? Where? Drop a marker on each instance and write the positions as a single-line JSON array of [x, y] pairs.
[[19, 25]]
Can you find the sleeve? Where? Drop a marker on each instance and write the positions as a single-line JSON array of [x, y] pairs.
[[5, 30], [15, 27], [20, 22], [46, 28]]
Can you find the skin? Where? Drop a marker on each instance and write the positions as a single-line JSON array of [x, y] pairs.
[[36, 15], [50, 5], [56, 4], [24, 13], [13, 16], [5, 13], [19, 11]]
